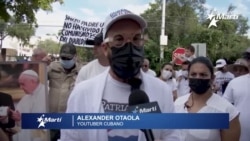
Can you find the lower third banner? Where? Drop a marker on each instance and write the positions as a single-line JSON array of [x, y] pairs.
[[125, 121]]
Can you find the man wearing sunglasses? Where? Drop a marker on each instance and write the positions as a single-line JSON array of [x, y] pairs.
[[96, 66], [61, 76], [109, 92], [146, 68]]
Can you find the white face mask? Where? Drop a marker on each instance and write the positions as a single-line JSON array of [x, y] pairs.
[[166, 74], [184, 73]]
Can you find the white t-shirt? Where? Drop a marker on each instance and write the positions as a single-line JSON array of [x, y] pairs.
[[183, 84], [115, 99], [90, 70], [150, 72], [183, 87], [172, 84], [221, 78], [238, 93], [215, 104]]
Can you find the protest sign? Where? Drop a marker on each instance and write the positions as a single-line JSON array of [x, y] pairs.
[[76, 31]]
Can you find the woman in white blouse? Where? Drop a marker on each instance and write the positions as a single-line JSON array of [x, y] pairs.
[[167, 75], [203, 100]]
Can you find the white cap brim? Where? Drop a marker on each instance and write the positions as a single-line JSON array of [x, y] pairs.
[[136, 18], [219, 66]]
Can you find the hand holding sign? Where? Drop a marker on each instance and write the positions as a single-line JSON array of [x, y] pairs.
[[177, 54]]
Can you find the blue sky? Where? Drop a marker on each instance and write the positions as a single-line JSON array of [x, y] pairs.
[[96, 10]]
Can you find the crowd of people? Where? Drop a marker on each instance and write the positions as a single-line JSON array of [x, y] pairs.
[[105, 84]]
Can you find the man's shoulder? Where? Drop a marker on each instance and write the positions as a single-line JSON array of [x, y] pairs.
[[217, 73], [92, 63], [54, 65], [152, 71], [92, 81], [230, 74], [182, 99], [240, 79], [89, 65]]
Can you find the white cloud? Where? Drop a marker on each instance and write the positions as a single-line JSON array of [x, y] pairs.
[[87, 11], [241, 7], [137, 9], [207, 6], [89, 15], [51, 22]]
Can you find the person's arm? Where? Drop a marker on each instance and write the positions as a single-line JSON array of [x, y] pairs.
[[228, 94], [175, 95], [16, 115], [233, 133], [178, 80], [182, 58], [81, 75], [169, 134], [9, 102], [47, 59]]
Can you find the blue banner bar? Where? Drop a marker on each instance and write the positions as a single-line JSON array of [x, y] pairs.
[[125, 121]]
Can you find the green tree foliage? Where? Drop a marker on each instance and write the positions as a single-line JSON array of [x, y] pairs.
[[186, 23], [22, 31], [49, 46], [24, 10]]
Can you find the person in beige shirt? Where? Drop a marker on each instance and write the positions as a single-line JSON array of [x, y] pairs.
[[62, 75]]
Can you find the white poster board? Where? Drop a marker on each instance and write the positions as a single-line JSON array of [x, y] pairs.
[[200, 49], [76, 31]]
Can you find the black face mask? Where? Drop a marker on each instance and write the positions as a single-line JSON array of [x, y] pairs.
[[126, 61], [199, 86]]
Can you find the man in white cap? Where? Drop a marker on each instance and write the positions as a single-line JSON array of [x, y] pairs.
[[98, 65], [109, 92], [238, 93], [34, 101], [222, 76]]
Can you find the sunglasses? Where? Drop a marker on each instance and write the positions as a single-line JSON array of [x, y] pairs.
[[120, 40], [66, 58]]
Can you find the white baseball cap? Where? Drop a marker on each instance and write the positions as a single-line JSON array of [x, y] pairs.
[[220, 63], [119, 15]]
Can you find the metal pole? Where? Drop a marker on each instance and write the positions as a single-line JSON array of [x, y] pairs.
[[1, 40], [1, 45], [163, 28]]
